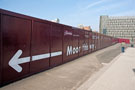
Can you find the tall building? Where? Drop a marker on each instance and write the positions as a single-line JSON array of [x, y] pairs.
[[118, 26]]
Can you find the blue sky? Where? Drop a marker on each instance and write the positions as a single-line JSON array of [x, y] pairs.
[[71, 12]]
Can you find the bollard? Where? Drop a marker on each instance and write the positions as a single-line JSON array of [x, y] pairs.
[[123, 49], [132, 45]]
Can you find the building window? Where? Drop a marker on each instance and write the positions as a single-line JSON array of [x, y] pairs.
[[104, 31]]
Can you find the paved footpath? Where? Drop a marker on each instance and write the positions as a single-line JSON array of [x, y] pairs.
[[120, 75]]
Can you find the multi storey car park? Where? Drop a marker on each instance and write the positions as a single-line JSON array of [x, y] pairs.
[[30, 45]]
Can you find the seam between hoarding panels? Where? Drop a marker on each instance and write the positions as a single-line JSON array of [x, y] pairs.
[[31, 44], [2, 58], [50, 43], [62, 42], [78, 41], [0, 48]]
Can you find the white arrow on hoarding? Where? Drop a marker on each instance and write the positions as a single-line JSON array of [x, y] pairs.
[[15, 60]]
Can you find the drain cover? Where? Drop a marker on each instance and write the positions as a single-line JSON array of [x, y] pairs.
[[134, 70]]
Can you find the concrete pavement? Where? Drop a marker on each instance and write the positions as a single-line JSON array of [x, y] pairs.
[[120, 75]]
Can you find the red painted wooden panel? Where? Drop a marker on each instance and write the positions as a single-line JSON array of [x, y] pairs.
[[0, 51], [90, 42], [16, 36], [75, 43], [98, 41], [56, 45], [86, 43], [123, 40], [67, 44], [93, 41], [40, 50], [81, 42]]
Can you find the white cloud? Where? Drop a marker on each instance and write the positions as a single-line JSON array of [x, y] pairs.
[[95, 3], [110, 7]]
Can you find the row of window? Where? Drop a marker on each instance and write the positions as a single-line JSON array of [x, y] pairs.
[[122, 20], [121, 24], [125, 33], [127, 28], [122, 35], [122, 30]]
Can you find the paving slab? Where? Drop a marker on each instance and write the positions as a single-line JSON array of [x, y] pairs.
[[120, 75]]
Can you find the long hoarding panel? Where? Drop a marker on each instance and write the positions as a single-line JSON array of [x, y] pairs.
[[90, 42], [26, 46], [0, 51], [96, 37], [93, 41], [67, 44], [85, 46], [16, 47], [56, 45], [40, 46], [81, 42], [75, 43], [99, 41], [104, 41]]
